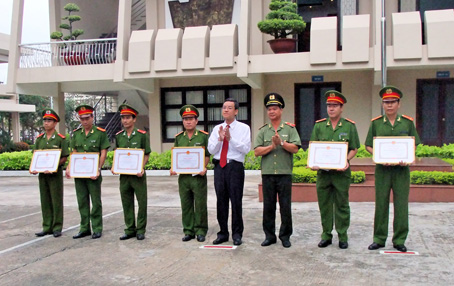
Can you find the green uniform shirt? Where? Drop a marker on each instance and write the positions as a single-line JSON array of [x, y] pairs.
[[345, 131], [199, 138], [56, 141], [137, 140], [95, 141], [380, 126], [278, 161]]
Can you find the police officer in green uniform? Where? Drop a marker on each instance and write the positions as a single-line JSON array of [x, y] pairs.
[[333, 185], [387, 176], [193, 189], [51, 184], [132, 137], [89, 138], [276, 142]]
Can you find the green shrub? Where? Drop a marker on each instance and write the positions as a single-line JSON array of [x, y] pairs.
[[431, 178], [251, 162], [305, 175], [362, 153], [449, 161], [159, 161], [15, 160]]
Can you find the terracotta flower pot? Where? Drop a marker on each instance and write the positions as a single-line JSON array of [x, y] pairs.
[[285, 45]]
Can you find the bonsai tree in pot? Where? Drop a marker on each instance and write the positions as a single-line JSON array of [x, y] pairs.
[[282, 21], [72, 54]]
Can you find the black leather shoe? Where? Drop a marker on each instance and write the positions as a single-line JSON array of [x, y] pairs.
[[375, 246], [400, 247], [237, 241], [268, 242], [343, 244], [200, 238], [140, 236], [286, 243], [188, 237], [42, 233], [57, 233], [96, 235], [82, 234], [126, 236], [324, 243], [220, 240]]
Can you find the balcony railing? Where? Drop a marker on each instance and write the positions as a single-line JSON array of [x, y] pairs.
[[68, 53]]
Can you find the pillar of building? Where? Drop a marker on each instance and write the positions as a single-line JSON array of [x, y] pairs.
[[154, 120]]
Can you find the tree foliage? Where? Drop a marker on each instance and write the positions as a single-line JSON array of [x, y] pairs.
[[283, 20], [73, 34]]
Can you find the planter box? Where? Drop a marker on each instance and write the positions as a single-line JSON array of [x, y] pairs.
[[366, 193]]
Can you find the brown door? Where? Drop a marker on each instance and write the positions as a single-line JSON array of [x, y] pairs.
[[435, 111]]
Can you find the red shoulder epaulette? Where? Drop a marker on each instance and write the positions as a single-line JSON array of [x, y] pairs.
[[40, 135], [141, 131], [62, 136], [178, 133], [119, 132], [76, 129], [378, 117], [320, 120], [100, 129], [408, 117], [290, 124], [204, 132], [349, 120]]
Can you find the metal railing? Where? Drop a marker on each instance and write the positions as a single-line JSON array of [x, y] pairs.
[[68, 53]]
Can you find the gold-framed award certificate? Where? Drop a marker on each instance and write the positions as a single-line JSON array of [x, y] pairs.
[[128, 161], [84, 165], [327, 155], [188, 160], [393, 150], [45, 160]]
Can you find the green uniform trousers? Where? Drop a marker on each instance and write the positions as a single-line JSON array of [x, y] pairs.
[[396, 178], [51, 194], [332, 194], [193, 196], [130, 185], [87, 189]]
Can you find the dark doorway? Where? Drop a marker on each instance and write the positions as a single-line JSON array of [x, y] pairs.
[[434, 111], [310, 106]]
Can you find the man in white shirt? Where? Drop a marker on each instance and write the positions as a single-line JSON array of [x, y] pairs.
[[229, 143]]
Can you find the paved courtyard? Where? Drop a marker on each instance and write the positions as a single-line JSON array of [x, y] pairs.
[[163, 259]]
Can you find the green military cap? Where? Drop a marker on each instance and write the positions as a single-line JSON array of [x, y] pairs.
[[126, 109], [189, 110], [274, 99], [335, 96], [389, 93], [83, 110], [51, 114]]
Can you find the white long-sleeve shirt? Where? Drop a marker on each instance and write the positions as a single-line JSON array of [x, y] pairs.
[[239, 144]]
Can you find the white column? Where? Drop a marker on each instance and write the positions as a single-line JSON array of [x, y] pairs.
[[15, 126], [15, 40], [123, 34], [154, 118], [152, 14]]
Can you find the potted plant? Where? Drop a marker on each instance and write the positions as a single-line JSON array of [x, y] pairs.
[[71, 54], [282, 21]]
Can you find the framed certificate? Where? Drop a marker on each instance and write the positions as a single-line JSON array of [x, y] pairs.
[[128, 161], [84, 165], [392, 150], [188, 160], [45, 160], [327, 154]]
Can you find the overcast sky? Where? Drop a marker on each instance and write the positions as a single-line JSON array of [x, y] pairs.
[[35, 26]]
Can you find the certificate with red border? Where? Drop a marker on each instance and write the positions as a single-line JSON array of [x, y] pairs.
[[393, 150], [128, 161], [84, 165], [188, 160], [46, 160], [327, 154]]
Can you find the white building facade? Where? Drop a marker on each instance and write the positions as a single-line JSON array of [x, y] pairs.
[[157, 68]]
